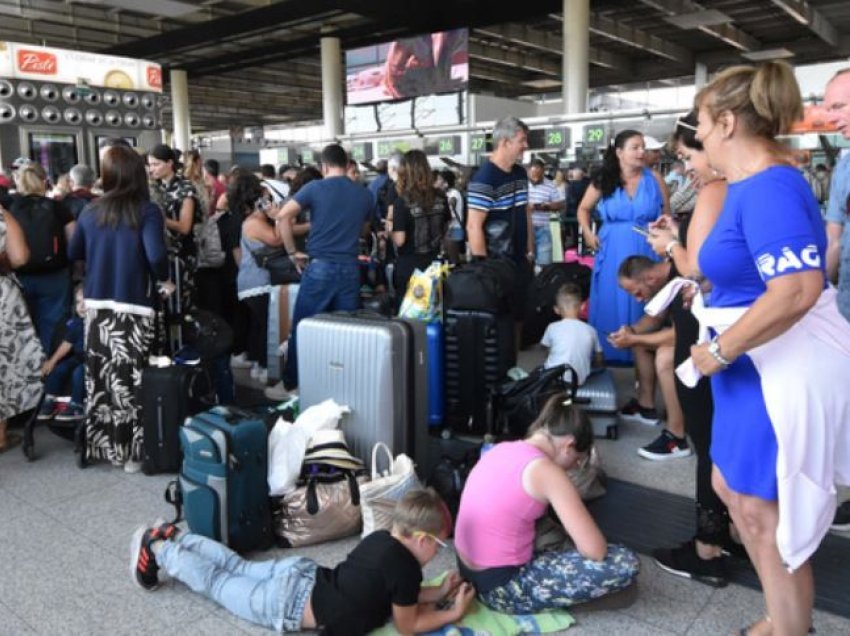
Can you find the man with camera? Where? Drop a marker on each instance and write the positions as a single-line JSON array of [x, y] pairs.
[[340, 211]]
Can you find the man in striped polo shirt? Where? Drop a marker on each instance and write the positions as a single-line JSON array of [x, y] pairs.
[[543, 198], [498, 224]]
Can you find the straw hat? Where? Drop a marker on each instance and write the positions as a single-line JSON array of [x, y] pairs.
[[329, 447]]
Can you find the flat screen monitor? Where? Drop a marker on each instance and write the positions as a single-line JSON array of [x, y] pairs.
[[57, 152], [421, 65]]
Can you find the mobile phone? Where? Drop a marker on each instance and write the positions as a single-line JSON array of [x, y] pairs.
[[640, 230]]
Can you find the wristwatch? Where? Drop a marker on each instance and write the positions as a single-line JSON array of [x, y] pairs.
[[670, 246], [714, 350]]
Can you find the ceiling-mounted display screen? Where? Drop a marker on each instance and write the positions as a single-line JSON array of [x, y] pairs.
[[409, 67]]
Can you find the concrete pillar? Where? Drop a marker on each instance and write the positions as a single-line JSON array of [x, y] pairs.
[[332, 86], [700, 75], [180, 109], [576, 56]]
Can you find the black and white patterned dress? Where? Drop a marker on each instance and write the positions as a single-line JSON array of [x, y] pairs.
[[170, 196], [21, 355]]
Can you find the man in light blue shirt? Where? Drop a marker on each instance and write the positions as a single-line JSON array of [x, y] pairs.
[[543, 198], [837, 105]]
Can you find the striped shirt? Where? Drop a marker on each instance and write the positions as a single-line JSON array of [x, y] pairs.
[[543, 192], [503, 196]]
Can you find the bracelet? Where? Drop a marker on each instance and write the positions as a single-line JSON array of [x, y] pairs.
[[668, 249]]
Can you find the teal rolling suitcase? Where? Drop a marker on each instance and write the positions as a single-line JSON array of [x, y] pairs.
[[224, 478]]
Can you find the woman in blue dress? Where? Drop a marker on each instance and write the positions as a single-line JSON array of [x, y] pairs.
[[778, 343], [625, 194]]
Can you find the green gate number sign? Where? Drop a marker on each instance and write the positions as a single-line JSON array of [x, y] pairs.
[[594, 135], [478, 143]]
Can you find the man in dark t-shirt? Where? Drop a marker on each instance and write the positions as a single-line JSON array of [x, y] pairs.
[[380, 580], [340, 212]]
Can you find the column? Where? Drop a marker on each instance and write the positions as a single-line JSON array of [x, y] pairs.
[[700, 75], [576, 56], [180, 109], [331, 86]]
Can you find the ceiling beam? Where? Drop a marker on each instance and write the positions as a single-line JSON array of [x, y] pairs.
[[551, 43], [802, 12], [230, 27], [532, 61], [727, 33], [625, 34]]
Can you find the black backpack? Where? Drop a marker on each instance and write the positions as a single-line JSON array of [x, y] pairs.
[[449, 477], [517, 403], [41, 221]]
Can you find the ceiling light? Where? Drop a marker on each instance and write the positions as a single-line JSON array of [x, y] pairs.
[[542, 83], [768, 54], [697, 19]]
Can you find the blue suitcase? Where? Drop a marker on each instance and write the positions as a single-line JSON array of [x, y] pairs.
[[436, 370], [224, 478]]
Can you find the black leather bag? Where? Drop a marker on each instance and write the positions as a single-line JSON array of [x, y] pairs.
[[281, 268], [482, 286], [517, 404]]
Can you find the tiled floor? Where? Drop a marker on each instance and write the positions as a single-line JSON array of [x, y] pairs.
[[64, 536]]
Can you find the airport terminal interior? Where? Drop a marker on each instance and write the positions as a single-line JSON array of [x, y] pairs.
[[418, 124]]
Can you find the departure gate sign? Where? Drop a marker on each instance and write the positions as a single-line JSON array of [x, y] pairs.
[[594, 135]]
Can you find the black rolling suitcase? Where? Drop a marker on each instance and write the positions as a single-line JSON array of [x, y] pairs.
[[168, 396], [479, 350], [539, 307]]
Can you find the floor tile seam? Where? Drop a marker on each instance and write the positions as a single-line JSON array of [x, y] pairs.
[[709, 598], [17, 616]]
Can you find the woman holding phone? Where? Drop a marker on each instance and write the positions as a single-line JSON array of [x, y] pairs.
[[626, 194]]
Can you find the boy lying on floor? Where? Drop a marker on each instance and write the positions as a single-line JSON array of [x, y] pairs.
[[380, 579]]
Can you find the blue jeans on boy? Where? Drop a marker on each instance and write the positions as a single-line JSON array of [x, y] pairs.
[[57, 382], [48, 297], [270, 593], [325, 286], [561, 579]]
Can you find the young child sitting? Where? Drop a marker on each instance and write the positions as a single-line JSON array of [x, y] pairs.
[[380, 579], [68, 361], [569, 340]]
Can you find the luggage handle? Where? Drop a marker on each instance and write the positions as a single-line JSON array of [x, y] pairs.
[[386, 449], [174, 496], [313, 499]]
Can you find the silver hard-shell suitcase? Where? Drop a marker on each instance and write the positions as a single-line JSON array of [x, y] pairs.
[[377, 367], [598, 398]]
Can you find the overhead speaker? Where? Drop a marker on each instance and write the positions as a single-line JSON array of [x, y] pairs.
[[111, 98], [70, 95], [51, 114], [148, 101], [49, 92], [27, 90], [131, 100], [7, 112], [28, 113], [73, 116], [6, 89], [149, 121], [94, 117], [113, 117], [93, 98]]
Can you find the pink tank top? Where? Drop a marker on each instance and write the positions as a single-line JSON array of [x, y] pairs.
[[495, 522]]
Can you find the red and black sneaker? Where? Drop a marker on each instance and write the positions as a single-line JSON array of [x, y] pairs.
[[167, 531], [143, 567]]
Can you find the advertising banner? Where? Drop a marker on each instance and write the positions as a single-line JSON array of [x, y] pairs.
[[25, 61]]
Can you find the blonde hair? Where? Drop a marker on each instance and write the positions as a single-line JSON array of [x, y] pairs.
[[766, 98], [568, 296], [420, 509], [31, 179]]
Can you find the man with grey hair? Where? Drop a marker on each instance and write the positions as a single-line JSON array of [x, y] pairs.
[[836, 102], [82, 180], [498, 223]]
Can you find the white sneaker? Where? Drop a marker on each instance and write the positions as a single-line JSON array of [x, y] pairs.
[[262, 376], [277, 392], [132, 467], [241, 361]]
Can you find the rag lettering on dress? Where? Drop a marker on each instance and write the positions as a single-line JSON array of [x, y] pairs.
[[770, 265]]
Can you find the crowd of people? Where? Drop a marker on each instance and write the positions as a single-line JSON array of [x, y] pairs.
[[713, 281]]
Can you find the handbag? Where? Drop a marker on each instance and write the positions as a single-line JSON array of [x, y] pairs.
[[324, 507], [379, 496], [280, 267]]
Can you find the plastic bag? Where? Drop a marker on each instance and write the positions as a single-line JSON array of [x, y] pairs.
[[379, 496], [423, 299]]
